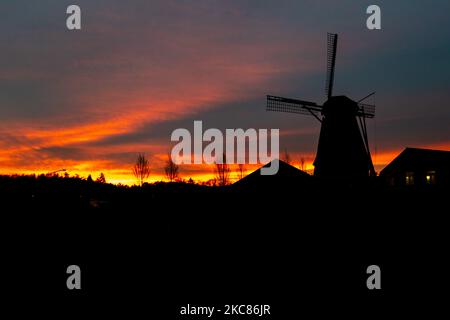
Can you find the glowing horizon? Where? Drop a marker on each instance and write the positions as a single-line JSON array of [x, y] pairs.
[[90, 100], [199, 173]]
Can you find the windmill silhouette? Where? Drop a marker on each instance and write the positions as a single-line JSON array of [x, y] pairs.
[[343, 149]]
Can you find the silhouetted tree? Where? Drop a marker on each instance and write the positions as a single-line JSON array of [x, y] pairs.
[[89, 179], [287, 157], [101, 178], [302, 164], [210, 182], [222, 172], [141, 169], [240, 170], [171, 169]]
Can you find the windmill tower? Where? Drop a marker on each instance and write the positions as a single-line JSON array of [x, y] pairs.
[[343, 149]]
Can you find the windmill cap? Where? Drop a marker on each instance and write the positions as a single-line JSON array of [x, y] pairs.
[[340, 104]]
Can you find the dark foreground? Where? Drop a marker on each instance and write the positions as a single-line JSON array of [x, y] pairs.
[[147, 253]]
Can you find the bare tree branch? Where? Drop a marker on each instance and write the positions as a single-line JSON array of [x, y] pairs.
[[287, 157], [222, 172], [141, 169], [171, 169], [240, 171]]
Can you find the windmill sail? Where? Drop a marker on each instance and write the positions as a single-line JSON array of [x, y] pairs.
[[331, 61], [343, 148], [289, 105]]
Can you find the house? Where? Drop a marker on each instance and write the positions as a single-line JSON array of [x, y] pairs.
[[287, 177], [418, 168]]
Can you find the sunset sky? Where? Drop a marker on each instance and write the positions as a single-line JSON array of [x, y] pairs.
[[91, 100]]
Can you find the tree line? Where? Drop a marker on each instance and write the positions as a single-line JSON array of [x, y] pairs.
[[222, 171]]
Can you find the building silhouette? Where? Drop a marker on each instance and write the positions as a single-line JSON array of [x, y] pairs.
[[415, 167], [287, 177]]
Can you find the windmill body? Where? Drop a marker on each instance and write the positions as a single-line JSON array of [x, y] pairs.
[[341, 151], [343, 148]]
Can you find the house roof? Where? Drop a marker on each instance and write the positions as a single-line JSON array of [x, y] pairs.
[[412, 159], [287, 175]]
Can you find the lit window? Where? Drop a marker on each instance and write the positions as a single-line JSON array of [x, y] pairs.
[[431, 177], [409, 178]]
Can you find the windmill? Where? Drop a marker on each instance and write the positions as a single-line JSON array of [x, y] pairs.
[[343, 148]]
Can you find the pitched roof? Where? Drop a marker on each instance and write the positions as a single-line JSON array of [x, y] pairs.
[[413, 158], [286, 176]]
